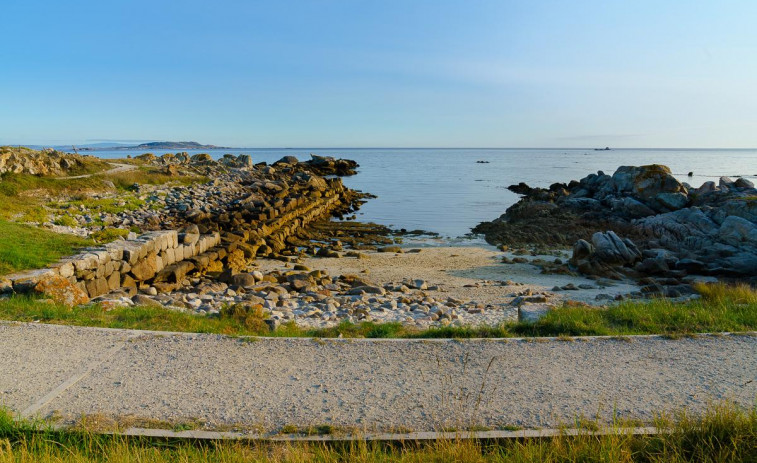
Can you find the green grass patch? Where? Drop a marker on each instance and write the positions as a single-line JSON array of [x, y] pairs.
[[115, 205], [724, 433], [722, 308], [24, 247], [150, 176], [109, 234], [27, 309]]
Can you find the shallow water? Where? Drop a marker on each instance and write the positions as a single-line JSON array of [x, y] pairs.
[[446, 191]]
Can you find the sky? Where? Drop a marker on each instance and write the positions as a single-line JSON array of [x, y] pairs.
[[384, 73]]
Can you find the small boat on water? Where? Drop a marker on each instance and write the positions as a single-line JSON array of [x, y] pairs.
[[606, 148]]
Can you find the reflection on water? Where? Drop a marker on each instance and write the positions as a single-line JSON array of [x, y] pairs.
[[446, 191]]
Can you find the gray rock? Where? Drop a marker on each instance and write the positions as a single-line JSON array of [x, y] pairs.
[[145, 301], [244, 280], [743, 183], [653, 266], [609, 248], [532, 313], [367, 290], [632, 208], [737, 231], [582, 250], [673, 201]]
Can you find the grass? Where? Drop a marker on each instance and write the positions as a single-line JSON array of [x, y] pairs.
[[115, 205], [724, 433], [24, 196], [722, 308], [25, 247]]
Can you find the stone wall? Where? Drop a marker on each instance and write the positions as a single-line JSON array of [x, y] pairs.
[[163, 259]]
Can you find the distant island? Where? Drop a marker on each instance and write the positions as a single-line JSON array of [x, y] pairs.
[[159, 145]]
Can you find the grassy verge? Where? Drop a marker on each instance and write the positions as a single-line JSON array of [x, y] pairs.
[[723, 434], [24, 247], [721, 308]]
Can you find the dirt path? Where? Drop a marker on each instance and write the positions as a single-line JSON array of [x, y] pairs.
[[366, 384], [115, 170]]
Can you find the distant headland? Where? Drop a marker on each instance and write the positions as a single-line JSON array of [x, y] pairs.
[[159, 145]]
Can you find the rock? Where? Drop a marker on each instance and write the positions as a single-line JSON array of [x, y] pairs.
[[61, 291], [632, 208], [420, 284], [690, 265], [146, 268], [244, 280], [272, 323], [672, 201], [737, 231], [395, 249], [189, 235], [653, 266], [288, 160], [532, 313], [582, 250], [707, 187], [725, 183], [646, 182], [367, 290], [610, 249], [743, 183], [327, 252], [145, 301], [171, 170]]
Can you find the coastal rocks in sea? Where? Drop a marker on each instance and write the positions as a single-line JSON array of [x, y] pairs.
[[709, 230], [653, 185], [326, 165]]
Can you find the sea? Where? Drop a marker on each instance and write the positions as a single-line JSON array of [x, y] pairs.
[[449, 191]]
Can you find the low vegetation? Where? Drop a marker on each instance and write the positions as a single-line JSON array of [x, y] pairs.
[[24, 247], [723, 434], [721, 308]]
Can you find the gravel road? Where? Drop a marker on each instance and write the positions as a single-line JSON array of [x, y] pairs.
[[372, 385]]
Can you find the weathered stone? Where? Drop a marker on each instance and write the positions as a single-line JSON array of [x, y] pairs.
[[389, 249], [26, 281], [243, 279], [96, 287], [367, 290], [145, 268], [61, 291], [145, 301]]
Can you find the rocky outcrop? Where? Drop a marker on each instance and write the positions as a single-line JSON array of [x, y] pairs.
[[260, 215], [20, 160], [642, 221], [326, 165]]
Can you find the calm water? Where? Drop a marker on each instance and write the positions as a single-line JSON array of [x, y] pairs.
[[446, 191]]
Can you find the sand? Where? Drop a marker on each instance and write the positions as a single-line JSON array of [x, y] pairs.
[[456, 268]]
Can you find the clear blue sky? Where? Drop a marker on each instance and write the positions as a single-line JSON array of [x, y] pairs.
[[358, 73]]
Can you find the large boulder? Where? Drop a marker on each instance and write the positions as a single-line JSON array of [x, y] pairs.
[[61, 291], [647, 183], [610, 249]]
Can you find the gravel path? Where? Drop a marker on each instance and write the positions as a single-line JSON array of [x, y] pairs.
[[372, 385]]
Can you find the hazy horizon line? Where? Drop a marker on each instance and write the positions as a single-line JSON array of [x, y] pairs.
[[126, 148]]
